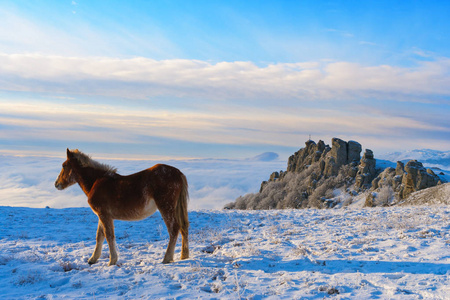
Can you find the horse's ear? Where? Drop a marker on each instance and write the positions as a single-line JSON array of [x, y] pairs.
[[69, 154]]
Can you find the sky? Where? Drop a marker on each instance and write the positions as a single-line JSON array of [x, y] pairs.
[[222, 79]]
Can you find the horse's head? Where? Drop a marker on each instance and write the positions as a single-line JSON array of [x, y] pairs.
[[66, 177]]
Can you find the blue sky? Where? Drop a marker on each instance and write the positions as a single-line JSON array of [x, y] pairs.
[[222, 79]]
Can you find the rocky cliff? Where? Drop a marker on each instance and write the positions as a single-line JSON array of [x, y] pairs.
[[405, 179], [316, 173]]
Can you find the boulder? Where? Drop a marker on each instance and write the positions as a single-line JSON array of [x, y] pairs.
[[406, 179], [339, 150], [305, 157], [354, 151], [341, 153], [400, 169], [331, 168], [417, 178], [370, 200], [274, 176], [366, 170], [385, 178]]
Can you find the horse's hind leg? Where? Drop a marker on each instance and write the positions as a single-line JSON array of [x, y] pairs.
[[99, 243], [184, 244], [173, 228], [108, 225]]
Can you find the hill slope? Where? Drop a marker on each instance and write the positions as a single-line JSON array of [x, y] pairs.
[[434, 195]]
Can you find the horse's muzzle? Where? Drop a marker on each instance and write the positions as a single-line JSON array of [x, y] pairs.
[[58, 186]]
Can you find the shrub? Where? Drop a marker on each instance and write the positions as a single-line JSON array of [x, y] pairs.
[[296, 190], [385, 196]]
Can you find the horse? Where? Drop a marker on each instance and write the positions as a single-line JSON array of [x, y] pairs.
[[134, 197]]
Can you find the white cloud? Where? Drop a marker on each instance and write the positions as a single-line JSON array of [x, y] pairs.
[[143, 78], [226, 103], [227, 124]]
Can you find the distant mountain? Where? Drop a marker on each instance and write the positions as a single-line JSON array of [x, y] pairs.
[[266, 156], [429, 158]]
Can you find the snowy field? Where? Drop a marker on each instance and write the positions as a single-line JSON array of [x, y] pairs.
[[380, 253]]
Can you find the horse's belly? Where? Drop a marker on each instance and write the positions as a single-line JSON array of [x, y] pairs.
[[137, 213], [149, 208]]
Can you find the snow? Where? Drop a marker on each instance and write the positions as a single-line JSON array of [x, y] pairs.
[[439, 194], [378, 253], [351, 252]]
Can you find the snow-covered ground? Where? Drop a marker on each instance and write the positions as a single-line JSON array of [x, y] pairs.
[[378, 253]]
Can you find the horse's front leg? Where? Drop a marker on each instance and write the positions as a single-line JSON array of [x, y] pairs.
[[108, 226], [99, 243]]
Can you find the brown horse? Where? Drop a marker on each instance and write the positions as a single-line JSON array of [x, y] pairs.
[[133, 197]]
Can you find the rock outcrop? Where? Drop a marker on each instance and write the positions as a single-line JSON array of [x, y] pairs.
[[366, 170], [341, 153], [417, 178], [307, 156], [354, 152], [331, 158], [317, 173], [406, 179], [327, 162]]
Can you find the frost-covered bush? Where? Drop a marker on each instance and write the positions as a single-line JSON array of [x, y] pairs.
[[326, 187], [385, 196]]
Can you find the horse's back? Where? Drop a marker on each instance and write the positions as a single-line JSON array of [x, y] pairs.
[[165, 171], [162, 177]]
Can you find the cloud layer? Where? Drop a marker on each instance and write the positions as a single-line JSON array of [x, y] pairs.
[[143, 78], [29, 181], [191, 108], [207, 132]]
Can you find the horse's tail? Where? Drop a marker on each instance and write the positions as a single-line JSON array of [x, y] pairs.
[[181, 210]]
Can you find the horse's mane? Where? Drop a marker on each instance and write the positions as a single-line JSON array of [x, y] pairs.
[[86, 161]]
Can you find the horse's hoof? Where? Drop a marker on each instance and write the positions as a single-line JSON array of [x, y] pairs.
[[91, 262], [167, 261]]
